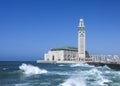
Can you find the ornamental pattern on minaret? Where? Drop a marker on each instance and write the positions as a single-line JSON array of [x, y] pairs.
[[81, 39], [81, 27]]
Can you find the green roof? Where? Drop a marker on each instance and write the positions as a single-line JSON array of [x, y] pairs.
[[67, 48]]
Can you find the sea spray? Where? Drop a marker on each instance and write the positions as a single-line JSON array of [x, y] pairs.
[[58, 76], [81, 65], [24, 84], [75, 65], [74, 81], [61, 65], [30, 69], [107, 67], [99, 77], [94, 71], [4, 68]]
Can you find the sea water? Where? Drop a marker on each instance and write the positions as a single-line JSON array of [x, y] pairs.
[[33, 74]]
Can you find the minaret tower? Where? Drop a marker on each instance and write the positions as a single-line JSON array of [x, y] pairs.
[[81, 40]]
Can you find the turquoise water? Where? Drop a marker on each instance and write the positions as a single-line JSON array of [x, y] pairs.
[[33, 74]]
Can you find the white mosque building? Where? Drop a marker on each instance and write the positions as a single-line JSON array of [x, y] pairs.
[[70, 54]]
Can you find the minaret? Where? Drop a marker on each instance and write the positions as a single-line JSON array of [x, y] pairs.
[[81, 40]]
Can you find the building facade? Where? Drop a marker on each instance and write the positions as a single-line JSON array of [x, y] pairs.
[[62, 54], [70, 53]]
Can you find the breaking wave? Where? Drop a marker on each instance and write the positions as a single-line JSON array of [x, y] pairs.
[[30, 69], [81, 65], [25, 84], [94, 71], [106, 67], [98, 76], [74, 81], [61, 65], [4, 68]]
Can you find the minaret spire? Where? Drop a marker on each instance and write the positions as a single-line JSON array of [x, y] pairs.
[[81, 40], [81, 23]]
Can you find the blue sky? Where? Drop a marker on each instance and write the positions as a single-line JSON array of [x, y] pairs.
[[29, 28]]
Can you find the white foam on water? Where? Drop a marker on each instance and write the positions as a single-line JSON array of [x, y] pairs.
[[99, 77], [81, 65], [61, 73], [107, 72], [94, 71], [61, 65], [30, 69], [5, 68], [103, 81], [74, 81], [107, 67], [77, 65], [24, 84]]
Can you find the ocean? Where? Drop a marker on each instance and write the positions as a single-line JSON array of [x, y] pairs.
[[33, 74]]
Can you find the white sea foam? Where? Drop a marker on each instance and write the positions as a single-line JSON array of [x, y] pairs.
[[75, 65], [81, 65], [99, 77], [94, 71], [108, 72], [83, 76], [74, 81], [5, 68], [24, 84], [107, 67], [61, 65], [103, 81], [104, 67], [61, 73], [30, 69]]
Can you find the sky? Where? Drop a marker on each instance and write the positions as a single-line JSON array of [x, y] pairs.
[[29, 28]]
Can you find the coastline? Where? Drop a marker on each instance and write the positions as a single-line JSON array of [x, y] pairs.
[[61, 62], [114, 66]]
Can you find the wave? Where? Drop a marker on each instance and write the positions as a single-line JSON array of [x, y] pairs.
[[107, 67], [61, 73], [25, 84], [30, 69], [94, 71], [81, 65], [4, 68], [61, 65], [98, 76], [74, 81], [85, 77], [103, 81]]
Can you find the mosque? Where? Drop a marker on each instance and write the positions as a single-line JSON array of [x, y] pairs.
[[70, 54]]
